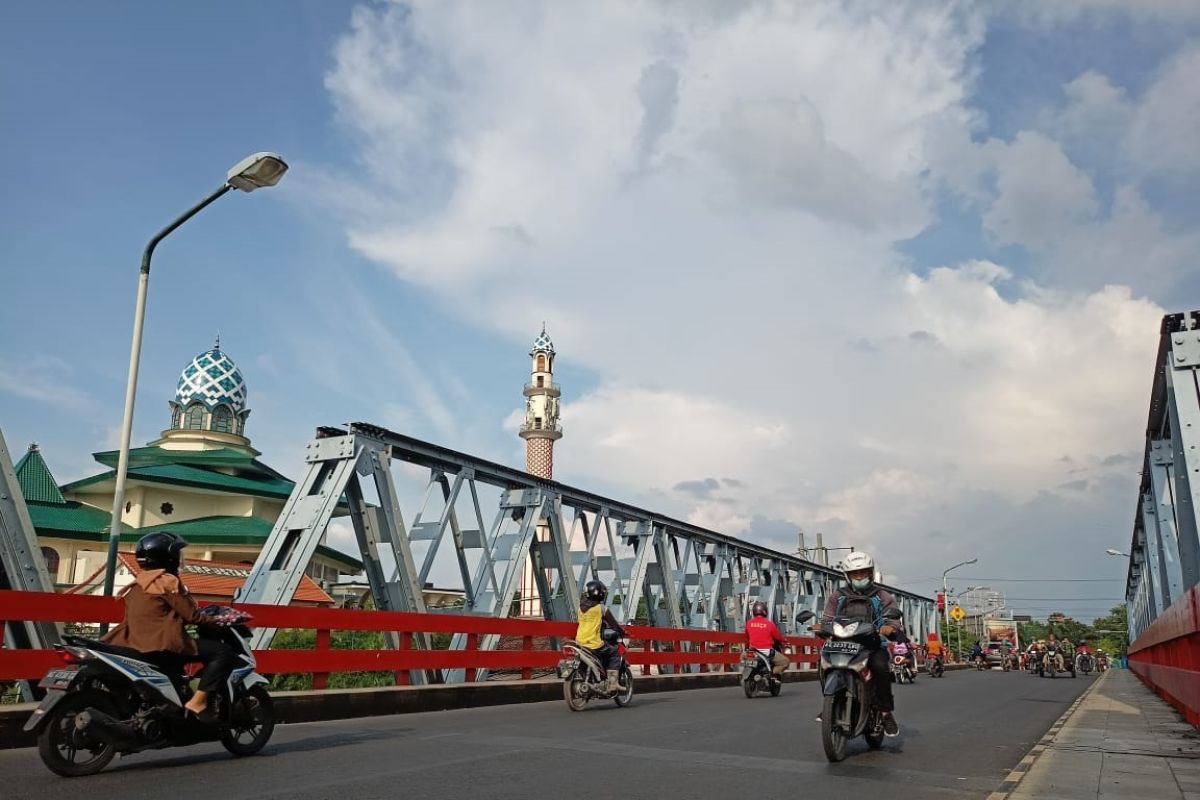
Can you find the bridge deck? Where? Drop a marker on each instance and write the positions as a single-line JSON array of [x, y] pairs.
[[961, 735]]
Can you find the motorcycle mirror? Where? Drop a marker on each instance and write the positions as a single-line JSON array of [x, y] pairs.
[[805, 616]]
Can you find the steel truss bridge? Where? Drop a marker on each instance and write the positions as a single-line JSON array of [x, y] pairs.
[[678, 575], [1165, 552]]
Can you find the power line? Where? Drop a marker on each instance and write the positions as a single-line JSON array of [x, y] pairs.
[[1022, 580]]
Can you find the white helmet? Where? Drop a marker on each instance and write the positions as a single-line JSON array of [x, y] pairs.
[[857, 562]]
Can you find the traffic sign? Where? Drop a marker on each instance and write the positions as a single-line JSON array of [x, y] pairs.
[[958, 614]]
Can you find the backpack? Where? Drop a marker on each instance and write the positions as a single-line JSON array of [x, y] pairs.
[[876, 604]]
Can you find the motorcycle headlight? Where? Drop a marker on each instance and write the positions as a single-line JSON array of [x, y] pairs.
[[845, 631]]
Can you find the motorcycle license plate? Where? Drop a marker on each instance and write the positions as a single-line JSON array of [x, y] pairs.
[[567, 667], [59, 678], [842, 647]]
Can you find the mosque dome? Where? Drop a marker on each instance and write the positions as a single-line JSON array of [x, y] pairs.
[[543, 344], [211, 394]]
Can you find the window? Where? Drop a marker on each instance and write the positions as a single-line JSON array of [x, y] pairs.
[[541, 363], [222, 420], [537, 423], [176, 417], [166, 509], [541, 381], [194, 420], [51, 557]]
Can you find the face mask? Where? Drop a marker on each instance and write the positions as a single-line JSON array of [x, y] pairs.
[[861, 584]]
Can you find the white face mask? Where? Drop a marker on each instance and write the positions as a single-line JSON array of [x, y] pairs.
[[860, 584]]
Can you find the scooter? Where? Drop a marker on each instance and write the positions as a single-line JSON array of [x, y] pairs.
[[936, 668], [583, 675], [106, 700], [849, 709], [757, 676]]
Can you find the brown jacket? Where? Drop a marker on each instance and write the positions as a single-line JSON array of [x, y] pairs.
[[157, 607]]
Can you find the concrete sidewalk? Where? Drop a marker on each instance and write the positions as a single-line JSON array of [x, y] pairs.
[[1119, 741]]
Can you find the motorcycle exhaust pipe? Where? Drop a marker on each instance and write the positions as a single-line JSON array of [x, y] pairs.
[[98, 725]]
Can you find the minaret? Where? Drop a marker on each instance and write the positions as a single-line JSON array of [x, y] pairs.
[[540, 431]]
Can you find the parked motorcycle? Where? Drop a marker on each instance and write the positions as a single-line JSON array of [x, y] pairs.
[[583, 675], [757, 676], [849, 709], [106, 700], [1085, 663]]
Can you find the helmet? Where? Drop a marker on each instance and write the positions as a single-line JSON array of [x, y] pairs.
[[159, 551], [859, 561], [595, 590], [759, 609]]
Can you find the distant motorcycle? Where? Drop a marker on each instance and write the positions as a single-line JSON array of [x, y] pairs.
[[936, 668], [106, 700], [1085, 663], [757, 676], [583, 675]]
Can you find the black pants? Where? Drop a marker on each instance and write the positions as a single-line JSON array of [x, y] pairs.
[[218, 659], [609, 656], [881, 678]]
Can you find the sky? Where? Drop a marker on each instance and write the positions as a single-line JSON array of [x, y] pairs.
[[889, 272]]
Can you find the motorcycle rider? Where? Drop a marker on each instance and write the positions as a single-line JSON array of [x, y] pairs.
[[976, 651], [157, 609], [862, 599], [933, 650], [593, 618], [763, 635]]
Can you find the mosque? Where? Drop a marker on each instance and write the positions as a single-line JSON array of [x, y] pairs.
[[201, 479]]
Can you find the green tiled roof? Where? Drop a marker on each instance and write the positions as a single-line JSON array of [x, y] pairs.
[[37, 484], [183, 475], [241, 461], [69, 520]]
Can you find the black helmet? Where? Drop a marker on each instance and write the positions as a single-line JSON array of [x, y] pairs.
[[160, 551], [596, 590], [759, 609]]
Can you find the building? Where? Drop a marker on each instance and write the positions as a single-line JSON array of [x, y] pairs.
[[540, 431], [201, 479]]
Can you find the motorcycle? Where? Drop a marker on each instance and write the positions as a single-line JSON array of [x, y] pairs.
[[106, 700], [1101, 663], [980, 663], [901, 671], [757, 675], [1085, 663], [936, 668], [849, 708], [583, 675], [1052, 663]]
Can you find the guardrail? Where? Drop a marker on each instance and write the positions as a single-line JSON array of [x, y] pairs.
[[659, 647], [1166, 656]]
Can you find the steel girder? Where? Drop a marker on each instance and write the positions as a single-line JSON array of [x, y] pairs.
[[1165, 549], [664, 571], [21, 564]]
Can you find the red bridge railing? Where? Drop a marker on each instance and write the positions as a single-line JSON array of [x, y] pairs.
[[650, 647], [1167, 655]]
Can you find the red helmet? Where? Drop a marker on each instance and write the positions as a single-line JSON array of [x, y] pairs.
[[759, 609]]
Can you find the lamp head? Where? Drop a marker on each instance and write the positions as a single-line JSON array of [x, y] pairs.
[[256, 171]]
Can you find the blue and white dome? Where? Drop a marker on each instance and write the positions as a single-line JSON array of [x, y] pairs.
[[543, 344], [212, 379]]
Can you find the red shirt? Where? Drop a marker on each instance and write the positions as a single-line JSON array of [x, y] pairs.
[[762, 633]]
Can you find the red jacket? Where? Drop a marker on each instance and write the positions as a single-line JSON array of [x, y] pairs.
[[762, 634]]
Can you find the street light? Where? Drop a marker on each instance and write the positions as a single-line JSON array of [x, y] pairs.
[[1113, 552], [945, 600], [253, 172]]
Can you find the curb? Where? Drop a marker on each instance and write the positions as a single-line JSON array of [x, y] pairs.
[[1018, 773]]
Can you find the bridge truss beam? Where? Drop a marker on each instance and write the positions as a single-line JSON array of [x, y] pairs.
[[1165, 550], [669, 572]]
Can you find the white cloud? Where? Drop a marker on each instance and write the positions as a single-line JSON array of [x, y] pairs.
[[42, 378], [1163, 136], [703, 204]]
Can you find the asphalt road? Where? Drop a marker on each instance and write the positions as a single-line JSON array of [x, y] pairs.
[[960, 736]]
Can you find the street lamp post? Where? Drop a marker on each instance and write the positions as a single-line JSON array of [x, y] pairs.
[[946, 600], [253, 172]]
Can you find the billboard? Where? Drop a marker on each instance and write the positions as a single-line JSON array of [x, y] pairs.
[[999, 630]]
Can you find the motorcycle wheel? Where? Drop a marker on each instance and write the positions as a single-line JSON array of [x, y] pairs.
[[776, 688], [626, 682], [832, 737], [874, 740], [60, 745], [254, 722], [573, 693], [748, 687], [1050, 672]]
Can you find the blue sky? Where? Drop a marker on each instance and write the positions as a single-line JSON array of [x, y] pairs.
[[460, 175]]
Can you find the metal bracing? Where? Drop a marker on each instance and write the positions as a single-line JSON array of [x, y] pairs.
[[21, 564], [1165, 549], [677, 574]]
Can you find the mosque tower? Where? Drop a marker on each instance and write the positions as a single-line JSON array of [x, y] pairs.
[[540, 431], [209, 409], [541, 428]]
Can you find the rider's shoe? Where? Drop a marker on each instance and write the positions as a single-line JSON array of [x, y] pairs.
[[614, 683], [890, 728], [820, 716]]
